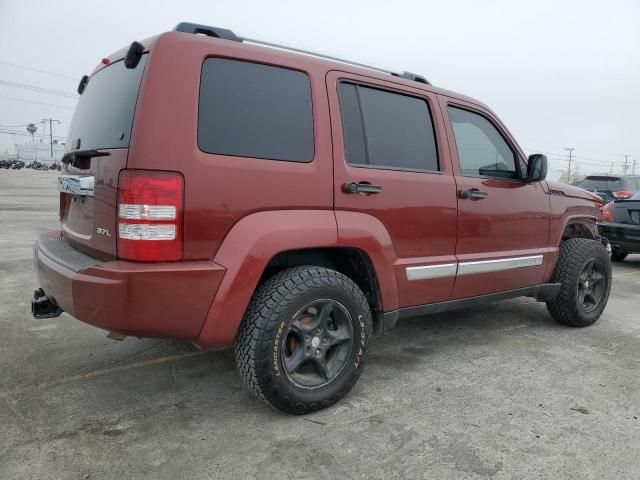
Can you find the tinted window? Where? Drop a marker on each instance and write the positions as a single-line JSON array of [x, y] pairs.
[[602, 183], [253, 110], [385, 129], [104, 115], [482, 152]]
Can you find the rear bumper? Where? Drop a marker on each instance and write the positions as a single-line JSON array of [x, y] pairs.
[[621, 235], [169, 300]]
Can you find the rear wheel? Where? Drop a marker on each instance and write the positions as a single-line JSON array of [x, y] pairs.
[[584, 270], [302, 343], [618, 255]]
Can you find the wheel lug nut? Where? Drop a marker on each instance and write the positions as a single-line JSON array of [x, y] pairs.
[[324, 340], [318, 351]]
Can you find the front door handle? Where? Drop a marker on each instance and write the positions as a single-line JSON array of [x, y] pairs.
[[473, 194], [361, 187]]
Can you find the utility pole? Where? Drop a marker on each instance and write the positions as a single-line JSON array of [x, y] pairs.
[[611, 171], [626, 163], [633, 168], [570, 158], [51, 120]]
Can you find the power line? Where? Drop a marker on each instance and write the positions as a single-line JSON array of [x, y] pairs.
[[13, 132], [588, 153], [36, 103], [590, 161], [24, 67], [34, 88]]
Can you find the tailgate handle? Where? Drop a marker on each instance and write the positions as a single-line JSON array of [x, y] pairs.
[[76, 185]]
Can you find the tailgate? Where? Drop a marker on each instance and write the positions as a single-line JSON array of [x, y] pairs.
[[88, 221], [98, 145], [626, 211]]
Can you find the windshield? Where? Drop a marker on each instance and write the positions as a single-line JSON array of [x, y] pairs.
[[104, 115], [601, 183]]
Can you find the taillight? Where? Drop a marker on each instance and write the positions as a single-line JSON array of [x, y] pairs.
[[150, 215], [622, 194], [607, 214]]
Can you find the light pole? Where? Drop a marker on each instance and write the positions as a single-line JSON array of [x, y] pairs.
[[625, 167]]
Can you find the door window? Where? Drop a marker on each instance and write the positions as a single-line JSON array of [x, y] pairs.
[[384, 129], [482, 151]]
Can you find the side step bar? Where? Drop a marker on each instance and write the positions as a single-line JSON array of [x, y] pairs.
[[542, 293], [43, 307]]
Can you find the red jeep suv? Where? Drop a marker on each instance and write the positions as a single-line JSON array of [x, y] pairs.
[[226, 191]]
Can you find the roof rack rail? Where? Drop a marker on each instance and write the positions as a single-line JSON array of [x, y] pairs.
[[227, 34], [223, 33], [412, 76]]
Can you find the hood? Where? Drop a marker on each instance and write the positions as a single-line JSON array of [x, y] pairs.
[[574, 192]]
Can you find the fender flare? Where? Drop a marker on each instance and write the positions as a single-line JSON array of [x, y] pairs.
[[367, 233], [587, 221], [255, 239], [584, 219]]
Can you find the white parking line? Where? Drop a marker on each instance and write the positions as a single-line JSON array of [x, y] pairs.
[[40, 328]]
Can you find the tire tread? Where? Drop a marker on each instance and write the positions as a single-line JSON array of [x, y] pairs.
[[253, 347]]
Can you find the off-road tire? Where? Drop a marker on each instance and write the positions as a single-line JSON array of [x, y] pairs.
[[271, 311], [619, 255], [575, 254]]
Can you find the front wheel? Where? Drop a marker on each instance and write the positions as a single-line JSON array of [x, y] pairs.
[[584, 270], [301, 345]]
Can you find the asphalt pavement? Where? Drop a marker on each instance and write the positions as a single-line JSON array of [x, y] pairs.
[[494, 392]]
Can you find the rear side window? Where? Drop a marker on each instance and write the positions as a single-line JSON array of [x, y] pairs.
[[386, 130], [104, 115], [254, 110], [482, 151]]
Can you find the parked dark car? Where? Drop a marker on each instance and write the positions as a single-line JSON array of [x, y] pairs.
[[612, 187], [621, 226]]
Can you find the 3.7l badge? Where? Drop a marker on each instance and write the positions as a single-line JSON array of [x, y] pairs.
[[103, 231]]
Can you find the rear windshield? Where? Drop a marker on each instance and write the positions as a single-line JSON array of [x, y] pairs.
[[104, 115], [602, 183]]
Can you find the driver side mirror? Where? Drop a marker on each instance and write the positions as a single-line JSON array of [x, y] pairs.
[[537, 167]]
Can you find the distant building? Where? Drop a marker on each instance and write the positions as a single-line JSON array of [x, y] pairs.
[[8, 156], [41, 152], [574, 178]]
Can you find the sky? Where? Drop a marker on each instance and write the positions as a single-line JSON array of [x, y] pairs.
[[558, 73]]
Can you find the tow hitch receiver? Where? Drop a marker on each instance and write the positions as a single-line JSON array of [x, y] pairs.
[[43, 307]]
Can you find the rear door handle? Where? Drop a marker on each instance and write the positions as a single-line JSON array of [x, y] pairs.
[[473, 194], [361, 187]]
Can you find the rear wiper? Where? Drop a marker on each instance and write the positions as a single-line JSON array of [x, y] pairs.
[[77, 158]]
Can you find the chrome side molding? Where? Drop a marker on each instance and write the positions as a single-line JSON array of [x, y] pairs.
[[425, 272], [484, 266], [76, 185]]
